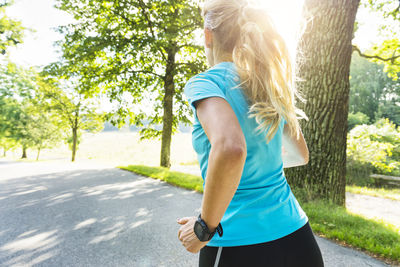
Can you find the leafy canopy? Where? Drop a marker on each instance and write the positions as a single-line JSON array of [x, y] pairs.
[[127, 51], [11, 31]]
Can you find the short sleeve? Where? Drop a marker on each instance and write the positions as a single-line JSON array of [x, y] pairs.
[[200, 87]]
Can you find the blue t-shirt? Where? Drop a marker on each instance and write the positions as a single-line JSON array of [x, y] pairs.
[[263, 207]]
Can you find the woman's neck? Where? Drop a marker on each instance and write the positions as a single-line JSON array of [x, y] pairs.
[[227, 59]]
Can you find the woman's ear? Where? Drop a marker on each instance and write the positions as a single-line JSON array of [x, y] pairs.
[[208, 37]]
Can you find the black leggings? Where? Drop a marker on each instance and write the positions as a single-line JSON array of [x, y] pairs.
[[298, 249]]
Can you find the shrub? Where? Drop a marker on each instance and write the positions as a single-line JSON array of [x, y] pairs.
[[358, 173], [356, 119], [377, 144]]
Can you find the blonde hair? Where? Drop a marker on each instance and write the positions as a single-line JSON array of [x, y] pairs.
[[248, 35]]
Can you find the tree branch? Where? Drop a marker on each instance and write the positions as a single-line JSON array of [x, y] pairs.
[[150, 24], [63, 106], [190, 46], [392, 59], [147, 72]]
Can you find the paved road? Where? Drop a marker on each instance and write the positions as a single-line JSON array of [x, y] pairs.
[[382, 207], [89, 215]]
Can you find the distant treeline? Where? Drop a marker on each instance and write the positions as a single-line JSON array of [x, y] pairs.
[[108, 127]]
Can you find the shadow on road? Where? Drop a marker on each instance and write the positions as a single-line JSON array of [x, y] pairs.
[[91, 218]]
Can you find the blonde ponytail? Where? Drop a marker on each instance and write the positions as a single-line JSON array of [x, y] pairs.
[[262, 59]]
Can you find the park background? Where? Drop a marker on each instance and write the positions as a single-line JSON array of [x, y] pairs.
[[53, 108]]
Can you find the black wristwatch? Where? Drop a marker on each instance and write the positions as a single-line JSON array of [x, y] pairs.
[[202, 231]]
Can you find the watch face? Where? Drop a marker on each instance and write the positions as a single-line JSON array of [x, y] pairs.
[[198, 229]]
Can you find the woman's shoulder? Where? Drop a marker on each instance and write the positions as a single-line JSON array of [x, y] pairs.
[[217, 74]]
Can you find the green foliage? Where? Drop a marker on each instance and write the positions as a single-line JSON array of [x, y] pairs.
[[133, 48], [356, 119], [387, 52], [75, 113], [17, 93], [36, 113], [70, 140], [388, 49], [372, 92], [358, 172], [377, 144], [11, 31], [387, 8], [46, 133], [390, 109]]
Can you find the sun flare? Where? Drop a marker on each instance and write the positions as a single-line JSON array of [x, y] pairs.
[[286, 15]]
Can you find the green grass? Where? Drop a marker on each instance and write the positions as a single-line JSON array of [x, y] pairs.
[[184, 180], [334, 222], [390, 193]]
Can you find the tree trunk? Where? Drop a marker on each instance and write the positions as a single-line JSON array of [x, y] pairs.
[[24, 156], [4, 152], [325, 67], [38, 153], [74, 141], [169, 88]]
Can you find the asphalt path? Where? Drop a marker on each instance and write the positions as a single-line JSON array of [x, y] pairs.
[[86, 214]]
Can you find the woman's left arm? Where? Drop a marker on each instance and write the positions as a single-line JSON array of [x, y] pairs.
[[225, 166]]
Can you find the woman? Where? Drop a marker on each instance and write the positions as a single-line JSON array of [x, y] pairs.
[[244, 109]]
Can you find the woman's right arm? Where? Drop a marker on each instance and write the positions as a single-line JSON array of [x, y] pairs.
[[295, 151]]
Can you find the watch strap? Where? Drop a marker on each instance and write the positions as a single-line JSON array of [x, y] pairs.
[[218, 230]]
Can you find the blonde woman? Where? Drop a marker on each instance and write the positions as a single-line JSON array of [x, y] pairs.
[[244, 109]]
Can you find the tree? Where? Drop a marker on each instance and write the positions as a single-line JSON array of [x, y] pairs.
[[11, 31], [75, 112], [326, 50], [17, 124], [47, 131], [370, 88], [25, 117], [386, 53], [8, 108], [16, 95], [144, 49]]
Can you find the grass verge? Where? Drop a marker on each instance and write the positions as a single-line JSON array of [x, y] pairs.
[[331, 221], [180, 179], [381, 240], [390, 193]]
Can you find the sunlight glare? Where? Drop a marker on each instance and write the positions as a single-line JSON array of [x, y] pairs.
[[286, 15]]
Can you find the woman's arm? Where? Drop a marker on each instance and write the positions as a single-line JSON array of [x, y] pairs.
[[295, 151], [226, 159]]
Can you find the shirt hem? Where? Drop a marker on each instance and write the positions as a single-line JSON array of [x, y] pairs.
[[259, 238]]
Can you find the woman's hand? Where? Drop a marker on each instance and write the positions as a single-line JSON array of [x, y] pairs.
[[187, 236]]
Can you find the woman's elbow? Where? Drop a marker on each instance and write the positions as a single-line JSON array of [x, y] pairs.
[[238, 151], [232, 149]]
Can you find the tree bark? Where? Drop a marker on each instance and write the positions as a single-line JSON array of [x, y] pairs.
[[169, 88], [24, 155], [325, 57], [74, 141]]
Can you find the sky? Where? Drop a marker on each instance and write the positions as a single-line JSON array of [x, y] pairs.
[[40, 15], [43, 17]]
